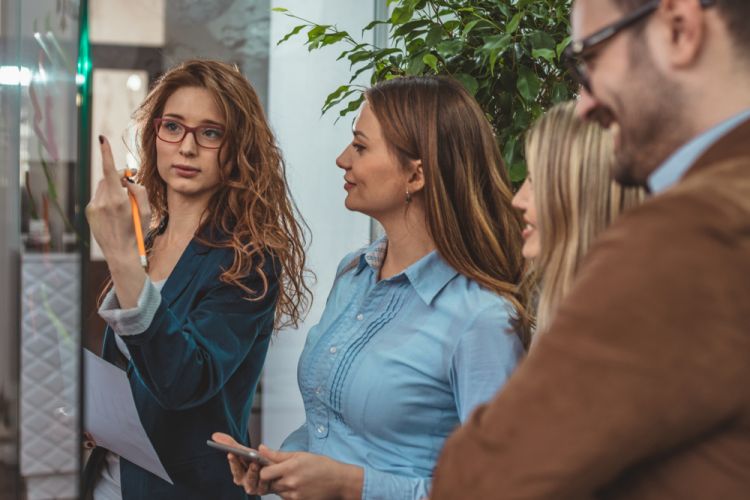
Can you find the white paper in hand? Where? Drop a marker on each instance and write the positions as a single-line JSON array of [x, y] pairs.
[[112, 418]]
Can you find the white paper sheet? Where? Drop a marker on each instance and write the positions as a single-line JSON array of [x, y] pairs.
[[112, 418]]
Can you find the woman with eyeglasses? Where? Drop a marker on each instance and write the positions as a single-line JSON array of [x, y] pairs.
[[225, 268]]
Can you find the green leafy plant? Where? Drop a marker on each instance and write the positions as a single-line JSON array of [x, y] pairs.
[[507, 53]]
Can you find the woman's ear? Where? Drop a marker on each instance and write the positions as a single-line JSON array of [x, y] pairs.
[[415, 180]]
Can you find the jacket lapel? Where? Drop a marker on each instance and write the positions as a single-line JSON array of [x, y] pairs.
[[185, 270], [735, 144]]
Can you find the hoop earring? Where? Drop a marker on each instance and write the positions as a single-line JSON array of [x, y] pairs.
[[408, 197]]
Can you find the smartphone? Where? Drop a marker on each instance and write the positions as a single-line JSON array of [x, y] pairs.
[[243, 453]]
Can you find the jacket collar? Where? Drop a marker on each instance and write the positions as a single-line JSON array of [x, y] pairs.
[[734, 144], [183, 273]]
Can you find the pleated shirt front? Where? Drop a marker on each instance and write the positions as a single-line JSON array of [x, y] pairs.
[[395, 365]]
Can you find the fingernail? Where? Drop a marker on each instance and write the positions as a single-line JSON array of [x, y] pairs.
[[101, 139]]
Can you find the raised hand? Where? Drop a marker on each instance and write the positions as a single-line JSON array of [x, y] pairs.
[[109, 213], [111, 222]]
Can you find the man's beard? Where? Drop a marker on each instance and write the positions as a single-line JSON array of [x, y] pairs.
[[653, 127]]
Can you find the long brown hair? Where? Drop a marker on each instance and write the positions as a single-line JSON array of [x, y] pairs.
[[570, 164], [252, 208], [467, 194]]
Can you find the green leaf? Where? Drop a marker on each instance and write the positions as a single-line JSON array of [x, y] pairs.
[[332, 38], [381, 53], [517, 171], [509, 150], [562, 45], [507, 53], [541, 40], [434, 36], [546, 54], [362, 55], [471, 25], [415, 45], [513, 24], [450, 48], [289, 35], [528, 83], [361, 70], [431, 61], [468, 81], [372, 24], [337, 93], [352, 105], [521, 119], [451, 25], [416, 66], [409, 29], [401, 15], [496, 43], [316, 31], [280, 9], [332, 101], [560, 93]]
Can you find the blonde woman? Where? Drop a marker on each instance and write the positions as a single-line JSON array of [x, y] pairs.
[[567, 199]]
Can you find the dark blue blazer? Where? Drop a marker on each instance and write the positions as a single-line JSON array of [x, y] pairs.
[[194, 371]]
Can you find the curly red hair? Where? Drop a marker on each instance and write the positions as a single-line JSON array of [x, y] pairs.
[[252, 207]]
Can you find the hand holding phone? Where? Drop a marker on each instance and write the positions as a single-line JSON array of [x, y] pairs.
[[246, 454]]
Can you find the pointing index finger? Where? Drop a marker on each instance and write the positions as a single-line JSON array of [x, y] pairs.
[[108, 163]]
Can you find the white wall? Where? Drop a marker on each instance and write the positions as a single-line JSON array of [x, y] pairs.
[[298, 83]]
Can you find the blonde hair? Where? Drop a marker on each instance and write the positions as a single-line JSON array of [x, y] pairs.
[[570, 163]]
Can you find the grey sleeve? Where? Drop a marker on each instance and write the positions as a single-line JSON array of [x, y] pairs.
[[131, 321]]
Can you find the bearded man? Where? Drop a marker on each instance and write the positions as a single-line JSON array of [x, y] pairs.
[[640, 388]]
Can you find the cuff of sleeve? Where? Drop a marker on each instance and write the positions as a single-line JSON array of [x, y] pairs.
[[378, 485], [133, 321], [297, 440]]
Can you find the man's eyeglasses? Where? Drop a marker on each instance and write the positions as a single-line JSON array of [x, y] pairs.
[[577, 52], [173, 131]]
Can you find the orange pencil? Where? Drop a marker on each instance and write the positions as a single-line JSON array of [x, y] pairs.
[[137, 224]]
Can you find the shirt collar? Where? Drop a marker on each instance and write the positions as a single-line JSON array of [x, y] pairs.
[[428, 276], [681, 160]]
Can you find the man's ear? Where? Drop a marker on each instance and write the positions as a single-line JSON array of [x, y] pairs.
[[415, 180], [684, 31]]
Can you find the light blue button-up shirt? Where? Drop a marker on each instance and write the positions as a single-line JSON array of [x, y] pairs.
[[681, 160], [395, 365]]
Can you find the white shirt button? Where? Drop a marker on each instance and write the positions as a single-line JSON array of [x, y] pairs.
[[321, 429], [318, 390], [333, 350], [360, 317]]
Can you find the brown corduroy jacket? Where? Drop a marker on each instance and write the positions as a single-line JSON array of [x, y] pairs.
[[640, 389]]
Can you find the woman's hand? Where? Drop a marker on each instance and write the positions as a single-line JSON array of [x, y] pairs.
[[109, 212], [294, 475], [301, 475], [244, 474], [111, 222]]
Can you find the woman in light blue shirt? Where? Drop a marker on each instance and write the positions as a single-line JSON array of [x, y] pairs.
[[421, 326]]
